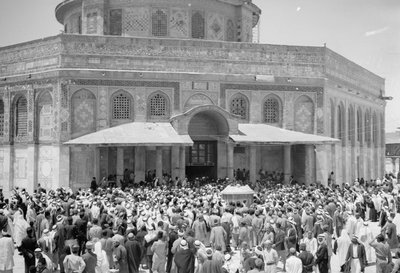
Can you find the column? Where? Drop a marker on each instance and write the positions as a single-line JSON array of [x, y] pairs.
[[32, 164], [253, 164], [140, 163], [8, 169], [175, 166], [287, 162], [96, 165], [230, 161], [120, 164], [321, 162], [393, 165], [159, 170], [310, 165], [182, 162]]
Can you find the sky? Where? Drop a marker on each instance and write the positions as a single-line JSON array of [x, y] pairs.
[[364, 31]]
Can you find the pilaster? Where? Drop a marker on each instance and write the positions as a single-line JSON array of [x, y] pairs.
[[253, 164], [287, 163], [175, 170], [159, 165], [140, 163], [321, 165], [310, 164]]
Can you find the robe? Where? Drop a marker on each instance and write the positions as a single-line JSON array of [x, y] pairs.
[[102, 261], [342, 246], [20, 226], [120, 258], [184, 261], [322, 258], [134, 254], [6, 254], [218, 237], [211, 266]]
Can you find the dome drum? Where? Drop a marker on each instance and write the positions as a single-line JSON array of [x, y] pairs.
[[207, 19]]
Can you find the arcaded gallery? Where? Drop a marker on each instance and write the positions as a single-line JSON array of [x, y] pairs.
[[181, 88]]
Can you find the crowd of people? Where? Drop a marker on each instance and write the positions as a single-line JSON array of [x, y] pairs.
[[191, 229]]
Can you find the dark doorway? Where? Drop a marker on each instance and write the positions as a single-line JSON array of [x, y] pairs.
[[202, 160]]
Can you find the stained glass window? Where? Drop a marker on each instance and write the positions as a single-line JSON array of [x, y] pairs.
[[159, 23], [239, 106], [271, 110], [121, 107]]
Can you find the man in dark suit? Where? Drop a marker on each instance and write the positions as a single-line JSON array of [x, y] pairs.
[[306, 258]]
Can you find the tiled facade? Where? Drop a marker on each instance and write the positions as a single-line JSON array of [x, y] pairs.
[[62, 87]]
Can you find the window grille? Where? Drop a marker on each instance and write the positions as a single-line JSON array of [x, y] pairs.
[[239, 107], [197, 25], [159, 23], [158, 106], [121, 107], [21, 117], [271, 110]]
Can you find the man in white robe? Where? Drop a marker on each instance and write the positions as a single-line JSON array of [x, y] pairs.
[[341, 247], [366, 236], [6, 253], [293, 263]]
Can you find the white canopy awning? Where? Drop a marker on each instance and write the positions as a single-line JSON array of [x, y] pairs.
[[135, 134], [267, 134]]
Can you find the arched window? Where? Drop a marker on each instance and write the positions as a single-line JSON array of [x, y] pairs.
[[359, 126], [158, 106], [1, 118], [271, 111], [198, 25], [21, 117], [45, 113], [159, 20], [121, 106], [239, 106]]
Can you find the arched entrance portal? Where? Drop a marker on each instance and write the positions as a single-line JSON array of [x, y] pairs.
[[208, 130]]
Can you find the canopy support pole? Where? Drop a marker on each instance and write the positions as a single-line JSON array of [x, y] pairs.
[[287, 162]]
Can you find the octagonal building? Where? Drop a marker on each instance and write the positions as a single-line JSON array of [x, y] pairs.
[[137, 89]]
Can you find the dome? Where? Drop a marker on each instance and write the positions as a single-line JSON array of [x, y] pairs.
[[221, 20]]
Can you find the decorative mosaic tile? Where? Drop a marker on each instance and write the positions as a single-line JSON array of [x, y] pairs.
[[215, 26], [136, 21], [179, 23]]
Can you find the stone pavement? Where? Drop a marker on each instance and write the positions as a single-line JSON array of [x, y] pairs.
[[335, 267]]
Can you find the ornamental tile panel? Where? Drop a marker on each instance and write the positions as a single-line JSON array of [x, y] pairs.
[[136, 21], [179, 23], [215, 26]]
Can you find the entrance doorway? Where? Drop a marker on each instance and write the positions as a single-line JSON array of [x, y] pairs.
[[202, 160], [208, 130]]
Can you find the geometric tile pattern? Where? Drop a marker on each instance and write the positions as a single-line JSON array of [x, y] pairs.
[[179, 23], [91, 23], [136, 21], [83, 111], [215, 26], [304, 115], [45, 168], [230, 30]]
